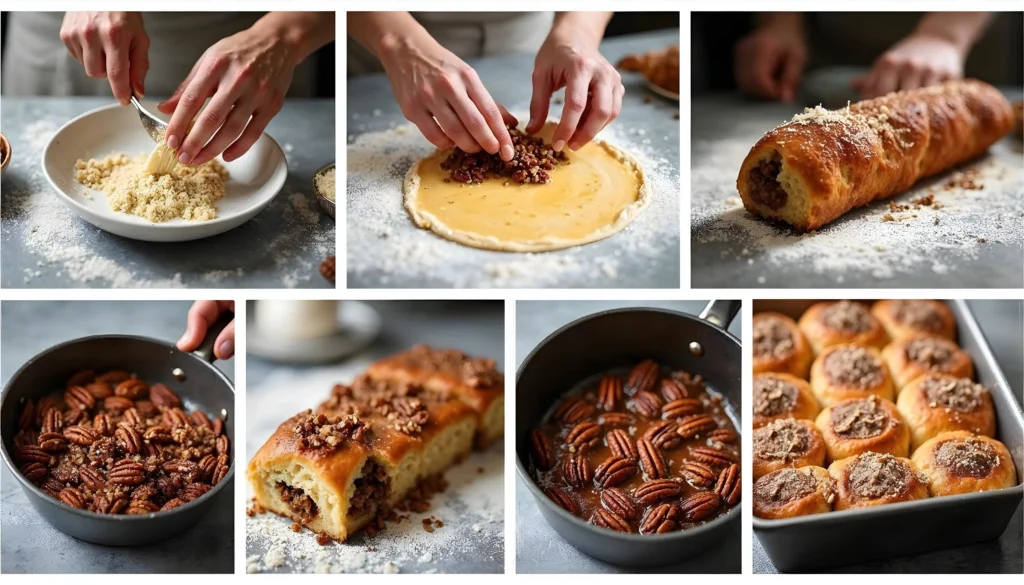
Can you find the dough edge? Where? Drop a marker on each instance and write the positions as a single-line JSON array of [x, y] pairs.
[[429, 221]]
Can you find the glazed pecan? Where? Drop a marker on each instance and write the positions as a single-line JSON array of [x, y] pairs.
[[584, 436], [171, 504], [699, 506], [27, 418], [32, 454], [712, 456], [113, 377], [218, 427], [723, 436], [103, 424], [163, 397], [128, 438], [127, 472], [73, 417], [615, 419], [698, 475], [194, 490], [92, 478], [542, 450], [132, 416], [81, 378], [645, 403], [44, 405], [620, 444], [146, 408], [562, 499], [117, 404], [34, 471], [52, 486], [26, 438], [663, 435], [574, 410], [52, 442], [610, 520], [728, 485], [577, 471], [643, 377], [672, 389], [81, 435], [53, 421], [223, 445], [609, 392], [180, 467], [207, 465], [200, 419], [680, 408], [72, 497], [175, 417], [79, 398], [619, 502], [219, 474], [656, 490], [158, 434], [661, 519], [693, 426], [614, 471], [651, 460], [108, 504], [137, 507], [100, 390], [132, 389]]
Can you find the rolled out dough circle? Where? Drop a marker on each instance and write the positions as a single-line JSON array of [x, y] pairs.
[[596, 195]]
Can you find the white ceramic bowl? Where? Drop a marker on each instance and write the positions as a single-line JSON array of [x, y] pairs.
[[256, 178]]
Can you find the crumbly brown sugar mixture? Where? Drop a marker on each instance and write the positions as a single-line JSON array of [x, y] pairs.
[[934, 352], [847, 316], [784, 439], [319, 431], [920, 315], [402, 406], [530, 163], [875, 475], [784, 486], [961, 395], [970, 457], [187, 192], [853, 367], [772, 339], [860, 419], [773, 396]]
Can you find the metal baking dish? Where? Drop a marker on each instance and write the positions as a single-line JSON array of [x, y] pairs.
[[623, 337], [895, 530]]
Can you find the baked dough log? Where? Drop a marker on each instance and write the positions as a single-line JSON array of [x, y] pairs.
[[936, 403], [793, 492], [960, 462], [821, 164], [849, 371], [779, 346], [859, 425], [911, 357], [875, 479], [779, 395], [787, 442], [834, 322]]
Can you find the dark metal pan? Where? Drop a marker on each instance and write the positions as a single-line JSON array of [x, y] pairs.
[[621, 338], [896, 530], [203, 387]]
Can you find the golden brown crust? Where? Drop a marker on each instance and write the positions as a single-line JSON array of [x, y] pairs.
[[872, 479], [859, 425], [790, 492], [832, 162], [906, 318], [912, 357], [843, 372], [937, 403], [960, 462], [779, 346], [778, 395], [834, 322], [787, 443]]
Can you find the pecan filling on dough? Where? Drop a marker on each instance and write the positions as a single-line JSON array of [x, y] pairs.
[[772, 396], [860, 419], [371, 488], [961, 395], [876, 475], [301, 504], [764, 178], [847, 316], [853, 367], [783, 439], [772, 339], [784, 486], [530, 163], [934, 352], [920, 315], [968, 457]]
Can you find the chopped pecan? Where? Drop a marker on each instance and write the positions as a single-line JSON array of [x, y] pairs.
[[318, 431]]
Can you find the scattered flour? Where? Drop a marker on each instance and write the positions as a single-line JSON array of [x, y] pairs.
[[386, 249]]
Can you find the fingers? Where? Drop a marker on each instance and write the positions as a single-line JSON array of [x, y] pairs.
[[789, 80], [540, 102], [493, 116], [507, 117], [200, 316], [139, 63], [885, 80], [168, 106], [191, 101], [473, 121], [452, 126], [232, 128], [224, 347], [911, 76], [93, 58], [572, 111], [600, 111], [118, 67], [430, 130], [211, 120], [762, 75], [257, 124]]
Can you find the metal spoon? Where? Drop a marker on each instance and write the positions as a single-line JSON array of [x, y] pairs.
[[154, 126]]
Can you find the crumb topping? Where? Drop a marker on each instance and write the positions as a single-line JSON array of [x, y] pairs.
[[877, 475], [860, 419], [849, 317], [773, 396], [772, 338], [781, 487], [935, 353], [853, 367], [319, 431], [921, 315], [784, 439], [968, 457], [962, 395]]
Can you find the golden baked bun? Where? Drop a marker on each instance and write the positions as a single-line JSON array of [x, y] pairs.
[[906, 318], [779, 346], [790, 492], [842, 372], [660, 67], [779, 395], [836, 322], [875, 479], [959, 462], [859, 425], [912, 357], [937, 403], [787, 442]]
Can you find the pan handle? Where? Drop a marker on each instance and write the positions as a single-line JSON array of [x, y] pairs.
[[720, 313], [205, 349]]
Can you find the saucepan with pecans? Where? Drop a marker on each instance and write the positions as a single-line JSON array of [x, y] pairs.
[[627, 433], [121, 440]]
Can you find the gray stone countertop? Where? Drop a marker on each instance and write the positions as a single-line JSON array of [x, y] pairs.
[[45, 245], [1000, 321], [638, 262], [28, 544], [539, 549]]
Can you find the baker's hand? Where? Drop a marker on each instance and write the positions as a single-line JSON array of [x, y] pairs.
[[917, 61], [246, 77], [113, 45], [201, 316], [593, 90], [444, 98], [769, 62]]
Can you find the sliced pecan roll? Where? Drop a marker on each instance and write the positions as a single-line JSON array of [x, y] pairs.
[[651, 460], [728, 485], [610, 520], [609, 392], [614, 471], [620, 444], [643, 377], [619, 502], [657, 490], [661, 519]]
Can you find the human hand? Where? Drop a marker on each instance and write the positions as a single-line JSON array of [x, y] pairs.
[[917, 61], [201, 316], [769, 62], [246, 77], [113, 45], [444, 97], [593, 89]]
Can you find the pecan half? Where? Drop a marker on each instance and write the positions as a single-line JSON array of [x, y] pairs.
[[723, 436], [132, 389], [577, 471], [610, 520], [132, 416], [657, 490], [614, 471], [672, 389], [79, 398], [158, 434], [27, 418], [712, 456], [616, 419], [108, 504], [699, 506], [680, 408], [81, 435], [81, 378], [584, 435], [128, 438], [117, 404], [137, 507], [52, 442], [562, 499], [52, 486], [200, 419], [52, 421], [646, 403], [619, 502], [663, 435], [103, 424], [609, 392], [207, 465], [113, 377], [661, 519], [693, 426], [32, 454], [72, 497], [34, 471], [574, 410], [194, 491], [171, 504], [650, 459], [698, 475], [223, 445], [542, 450], [92, 478], [728, 485], [219, 474], [127, 472], [163, 397], [643, 377], [175, 417], [100, 390], [620, 444]]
